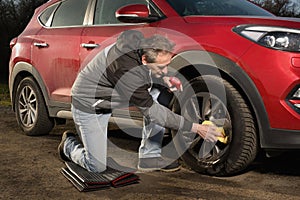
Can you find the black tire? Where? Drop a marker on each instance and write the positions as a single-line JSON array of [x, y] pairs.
[[213, 98], [31, 110]]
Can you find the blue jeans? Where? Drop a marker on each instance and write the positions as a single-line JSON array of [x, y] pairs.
[[152, 135], [90, 152]]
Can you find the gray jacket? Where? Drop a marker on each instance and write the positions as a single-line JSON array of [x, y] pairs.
[[116, 78]]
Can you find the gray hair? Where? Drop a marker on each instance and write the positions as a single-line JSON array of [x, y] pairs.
[[154, 45]]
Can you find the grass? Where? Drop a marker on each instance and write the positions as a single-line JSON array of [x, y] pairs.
[[4, 95]]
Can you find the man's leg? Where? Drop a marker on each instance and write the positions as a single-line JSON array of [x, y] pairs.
[[151, 146], [152, 137], [91, 151]]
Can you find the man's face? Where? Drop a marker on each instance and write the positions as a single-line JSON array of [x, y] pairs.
[[160, 67]]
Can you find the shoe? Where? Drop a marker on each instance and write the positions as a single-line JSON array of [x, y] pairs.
[[60, 147], [157, 164]]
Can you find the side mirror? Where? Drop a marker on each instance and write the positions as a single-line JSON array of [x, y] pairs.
[[134, 13]]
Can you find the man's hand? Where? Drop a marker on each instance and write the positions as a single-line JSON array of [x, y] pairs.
[[207, 132], [173, 83]]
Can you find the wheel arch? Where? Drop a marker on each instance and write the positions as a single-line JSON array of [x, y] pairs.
[[192, 64], [22, 70]]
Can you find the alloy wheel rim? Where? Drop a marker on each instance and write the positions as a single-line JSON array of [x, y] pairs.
[[205, 106], [28, 107]]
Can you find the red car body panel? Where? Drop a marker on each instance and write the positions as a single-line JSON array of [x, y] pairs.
[[61, 55], [259, 62]]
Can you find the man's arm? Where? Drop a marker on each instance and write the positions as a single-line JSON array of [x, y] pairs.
[[162, 116]]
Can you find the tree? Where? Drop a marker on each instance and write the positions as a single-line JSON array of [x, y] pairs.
[[282, 8], [14, 16]]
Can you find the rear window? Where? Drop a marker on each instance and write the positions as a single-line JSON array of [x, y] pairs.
[[217, 7], [70, 13], [45, 17]]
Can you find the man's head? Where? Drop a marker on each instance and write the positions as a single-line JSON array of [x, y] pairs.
[[129, 40], [157, 54]]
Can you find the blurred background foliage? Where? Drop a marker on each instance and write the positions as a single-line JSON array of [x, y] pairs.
[[14, 16]]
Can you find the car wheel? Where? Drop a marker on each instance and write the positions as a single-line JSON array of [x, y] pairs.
[[214, 99], [31, 111]]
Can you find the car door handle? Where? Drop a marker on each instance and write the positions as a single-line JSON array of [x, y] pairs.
[[89, 46], [40, 45]]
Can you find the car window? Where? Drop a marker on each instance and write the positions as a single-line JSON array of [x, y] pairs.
[[105, 10], [46, 15], [217, 7], [70, 13]]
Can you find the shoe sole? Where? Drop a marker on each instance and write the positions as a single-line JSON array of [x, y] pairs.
[[171, 170], [60, 148], [158, 169]]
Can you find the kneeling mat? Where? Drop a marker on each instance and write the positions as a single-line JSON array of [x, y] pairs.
[[84, 180]]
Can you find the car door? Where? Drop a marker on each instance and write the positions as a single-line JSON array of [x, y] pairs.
[[103, 27], [55, 49], [103, 31]]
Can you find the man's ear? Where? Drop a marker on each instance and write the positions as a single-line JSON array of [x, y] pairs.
[[144, 60]]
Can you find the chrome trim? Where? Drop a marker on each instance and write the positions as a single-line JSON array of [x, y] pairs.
[[40, 45], [89, 46], [89, 14]]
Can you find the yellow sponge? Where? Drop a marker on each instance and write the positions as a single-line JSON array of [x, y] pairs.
[[223, 139]]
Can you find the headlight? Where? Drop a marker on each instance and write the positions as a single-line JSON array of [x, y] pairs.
[[272, 37]]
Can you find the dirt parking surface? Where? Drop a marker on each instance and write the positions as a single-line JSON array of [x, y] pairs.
[[30, 169]]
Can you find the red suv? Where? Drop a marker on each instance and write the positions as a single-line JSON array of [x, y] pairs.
[[242, 63]]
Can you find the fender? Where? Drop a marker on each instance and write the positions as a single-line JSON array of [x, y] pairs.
[[23, 67], [26, 69]]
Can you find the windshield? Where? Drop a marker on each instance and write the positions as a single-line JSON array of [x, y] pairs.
[[217, 7]]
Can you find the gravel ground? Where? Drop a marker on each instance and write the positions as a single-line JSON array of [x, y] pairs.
[[30, 169]]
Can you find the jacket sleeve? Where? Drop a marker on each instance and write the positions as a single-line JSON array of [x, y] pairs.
[[163, 116]]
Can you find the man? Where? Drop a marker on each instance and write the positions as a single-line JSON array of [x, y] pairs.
[[117, 77]]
